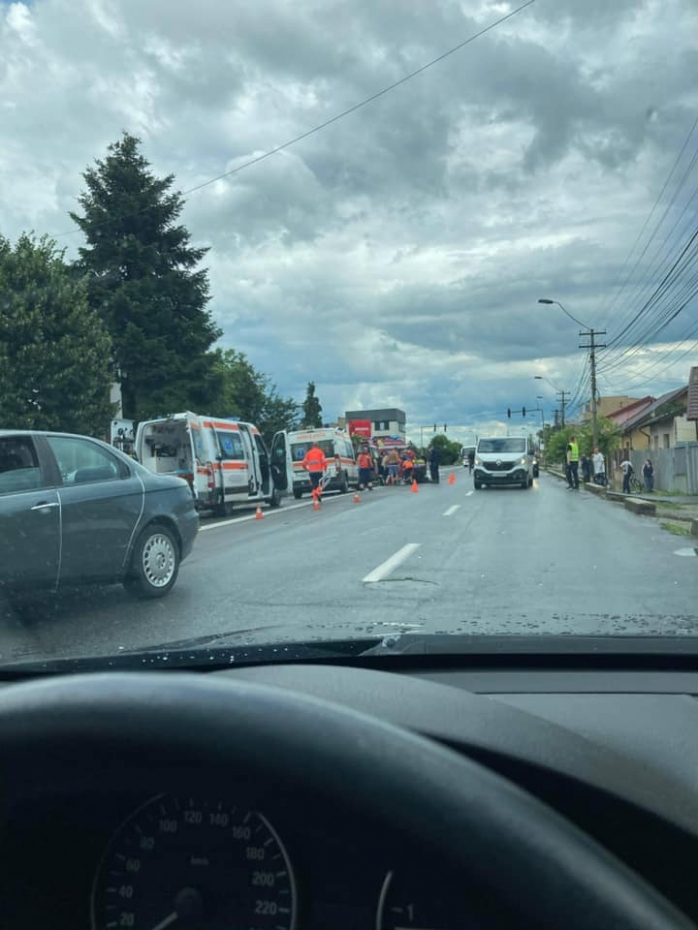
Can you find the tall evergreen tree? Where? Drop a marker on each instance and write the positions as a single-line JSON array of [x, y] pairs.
[[144, 281], [55, 368], [312, 408]]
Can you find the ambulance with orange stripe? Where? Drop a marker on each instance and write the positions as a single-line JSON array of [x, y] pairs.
[[288, 451], [224, 460]]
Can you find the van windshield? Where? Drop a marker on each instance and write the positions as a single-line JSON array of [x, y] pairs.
[[502, 445], [298, 449]]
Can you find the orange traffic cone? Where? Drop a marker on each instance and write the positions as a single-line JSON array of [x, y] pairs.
[[357, 498], [259, 515], [415, 486], [452, 478]]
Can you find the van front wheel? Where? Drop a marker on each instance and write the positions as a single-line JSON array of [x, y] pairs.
[[344, 486]]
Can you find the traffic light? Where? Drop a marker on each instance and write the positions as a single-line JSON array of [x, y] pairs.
[[509, 412], [523, 411]]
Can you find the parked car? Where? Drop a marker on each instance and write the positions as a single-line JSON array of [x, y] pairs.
[[74, 509]]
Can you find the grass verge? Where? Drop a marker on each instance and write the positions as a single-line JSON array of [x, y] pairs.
[[677, 529]]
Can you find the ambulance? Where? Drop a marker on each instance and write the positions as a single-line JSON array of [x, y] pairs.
[[224, 460], [288, 450]]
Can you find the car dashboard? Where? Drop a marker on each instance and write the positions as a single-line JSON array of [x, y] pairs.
[[612, 751]]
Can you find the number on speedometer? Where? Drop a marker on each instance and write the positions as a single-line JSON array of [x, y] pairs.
[[188, 863]]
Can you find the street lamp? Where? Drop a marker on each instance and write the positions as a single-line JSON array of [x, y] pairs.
[[590, 333], [542, 412], [557, 391], [545, 300]]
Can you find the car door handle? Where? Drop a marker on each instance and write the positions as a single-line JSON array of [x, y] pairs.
[[46, 505]]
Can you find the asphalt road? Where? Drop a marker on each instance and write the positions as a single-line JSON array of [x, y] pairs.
[[446, 559]]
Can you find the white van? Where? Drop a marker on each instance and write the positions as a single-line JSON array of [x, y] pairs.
[[224, 460], [288, 450], [503, 460]]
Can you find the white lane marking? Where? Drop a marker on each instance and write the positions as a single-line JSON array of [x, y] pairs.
[[468, 493], [385, 568], [268, 512], [451, 510]]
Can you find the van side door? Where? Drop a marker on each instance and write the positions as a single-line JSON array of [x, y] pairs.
[[233, 461], [254, 471], [281, 467]]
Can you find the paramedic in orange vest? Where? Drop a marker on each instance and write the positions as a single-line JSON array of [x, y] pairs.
[[365, 463], [315, 463]]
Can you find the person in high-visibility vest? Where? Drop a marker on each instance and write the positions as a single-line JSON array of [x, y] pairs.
[[572, 464], [315, 463]]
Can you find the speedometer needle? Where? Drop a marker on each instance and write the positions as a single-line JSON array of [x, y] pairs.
[[170, 919]]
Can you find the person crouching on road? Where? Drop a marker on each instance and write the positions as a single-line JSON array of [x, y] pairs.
[[315, 463], [365, 463]]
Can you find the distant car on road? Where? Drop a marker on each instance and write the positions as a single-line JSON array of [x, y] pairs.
[[503, 460], [75, 510]]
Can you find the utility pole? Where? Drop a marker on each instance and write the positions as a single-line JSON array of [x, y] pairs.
[[562, 395], [592, 346]]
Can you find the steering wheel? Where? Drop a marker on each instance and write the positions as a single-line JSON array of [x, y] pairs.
[[535, 862]]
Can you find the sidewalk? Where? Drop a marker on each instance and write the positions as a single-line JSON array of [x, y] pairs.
[[672, 507]]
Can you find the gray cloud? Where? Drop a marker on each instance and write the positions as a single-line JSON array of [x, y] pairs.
[[396, 256]]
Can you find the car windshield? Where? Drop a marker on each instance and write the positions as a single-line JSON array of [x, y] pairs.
[[502, 445], [459, 233]]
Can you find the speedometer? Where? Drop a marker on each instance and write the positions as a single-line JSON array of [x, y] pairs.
[[194, 863]]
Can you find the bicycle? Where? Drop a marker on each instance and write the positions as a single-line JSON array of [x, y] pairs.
[[636, 486]]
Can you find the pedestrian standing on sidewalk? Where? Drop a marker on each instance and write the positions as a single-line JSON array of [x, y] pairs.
[[599, 467], [648, 475], [627, 469], [586, 469], [572, 464], [365, 464]]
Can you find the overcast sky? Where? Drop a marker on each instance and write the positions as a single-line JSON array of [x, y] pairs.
[[395, 257]]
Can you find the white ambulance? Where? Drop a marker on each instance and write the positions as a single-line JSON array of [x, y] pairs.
[[288, 450], [224, 460]]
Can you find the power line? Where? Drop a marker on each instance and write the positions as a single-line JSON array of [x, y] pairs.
[[651, 214], [678, 268], [338, 116]]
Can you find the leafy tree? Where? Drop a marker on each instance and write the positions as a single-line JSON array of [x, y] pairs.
[[449, 451], [55, 369], [556, 443], [312, 408], [250, 394], [144, 281]]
